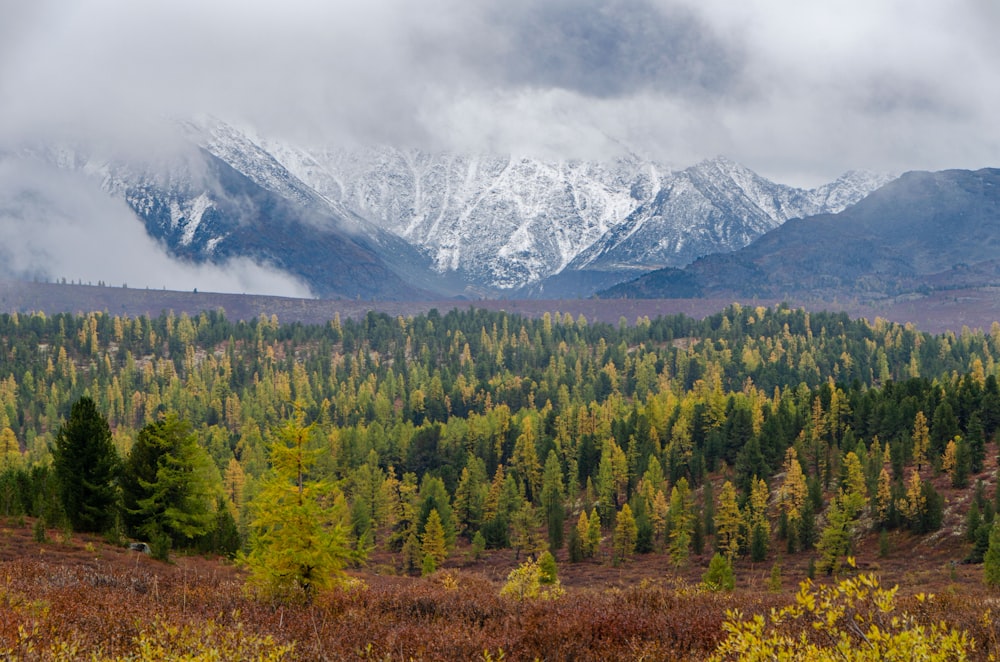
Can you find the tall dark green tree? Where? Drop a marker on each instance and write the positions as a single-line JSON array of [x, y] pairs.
[[87, 468], [170, 486], [552, 500]]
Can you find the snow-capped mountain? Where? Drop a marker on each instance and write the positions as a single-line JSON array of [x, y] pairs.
[[504, 223], [391, 223], [714, 207], [499, 222]]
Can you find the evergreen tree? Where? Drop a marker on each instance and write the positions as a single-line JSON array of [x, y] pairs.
[[807, 526], [552, 500], [835, 540], [469, 501], [991, 560], [171, 486], [963, 465], [976, 438], [87, 468], [434, 496], [719, 576], [680, 517]]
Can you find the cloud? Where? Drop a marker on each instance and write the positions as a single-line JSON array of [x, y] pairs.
[[800, 91], [56, 224]]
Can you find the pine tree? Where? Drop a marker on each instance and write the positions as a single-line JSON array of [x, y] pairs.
[[478, 545], [468, 506], [301, 539], [991, 560], [87, 468], [434, 496], [963, 464]]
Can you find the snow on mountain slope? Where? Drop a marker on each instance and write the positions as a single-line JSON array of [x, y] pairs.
[[503, 223], [499, 221], [448, 223], [715, 206]]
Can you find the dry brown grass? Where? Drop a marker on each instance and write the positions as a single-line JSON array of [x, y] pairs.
[[102, 598]]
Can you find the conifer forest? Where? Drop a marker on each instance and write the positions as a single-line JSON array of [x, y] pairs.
[[481, 485]]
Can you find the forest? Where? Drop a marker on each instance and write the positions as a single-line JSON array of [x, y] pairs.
[[752, 435]]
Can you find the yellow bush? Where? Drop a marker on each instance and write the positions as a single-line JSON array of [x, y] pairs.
[[525, 581], [856, 620]]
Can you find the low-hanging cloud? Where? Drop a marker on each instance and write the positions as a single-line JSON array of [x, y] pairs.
[[56, 224]]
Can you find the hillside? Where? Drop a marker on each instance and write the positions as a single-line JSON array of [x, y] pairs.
[[921, 233], [935, 312]]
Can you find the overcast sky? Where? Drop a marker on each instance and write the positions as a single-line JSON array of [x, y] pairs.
[[798, 91]]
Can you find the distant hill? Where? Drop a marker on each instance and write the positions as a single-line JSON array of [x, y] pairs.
[[941, 310], [920, 233]]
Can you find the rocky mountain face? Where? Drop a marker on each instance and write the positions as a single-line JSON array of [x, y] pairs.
[[921, 232], [391, 223], [507, 224]]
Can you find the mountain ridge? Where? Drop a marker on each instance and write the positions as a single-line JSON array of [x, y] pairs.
[[923, 231], [384, 222]]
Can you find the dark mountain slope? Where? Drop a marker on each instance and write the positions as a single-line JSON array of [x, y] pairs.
[[917, 233], [247, 220]]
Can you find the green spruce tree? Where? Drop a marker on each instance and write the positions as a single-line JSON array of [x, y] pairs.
[[87, 468]]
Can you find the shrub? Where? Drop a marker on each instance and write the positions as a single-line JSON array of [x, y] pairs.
[[528, 581], [719, 576], [853, 620]]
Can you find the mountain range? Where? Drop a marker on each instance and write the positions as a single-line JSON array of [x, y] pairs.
[[924, 231], [390, 223]]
